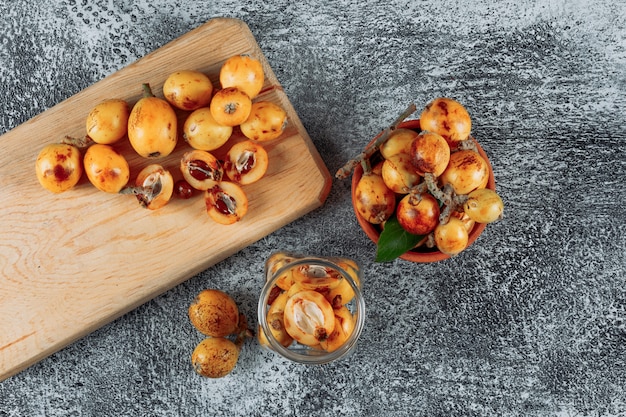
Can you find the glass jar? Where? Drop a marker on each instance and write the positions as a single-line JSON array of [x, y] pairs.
[[297, 323]]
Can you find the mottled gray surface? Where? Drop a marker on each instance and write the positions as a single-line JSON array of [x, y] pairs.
[[529, 321]]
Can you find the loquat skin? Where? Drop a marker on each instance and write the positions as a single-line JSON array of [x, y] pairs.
[[451, 238], [59, 167], [214, 313], [267, 121], [467, 221], [448, 118], [418, 215], [230, 106], [399, 141], [399, 174], [152, 128], [106, 168], [107, 122], [215, 357], [188, 89], [430, 153], [244, 72], [373, 199], [466, 172], [201, 131], [484, 206]]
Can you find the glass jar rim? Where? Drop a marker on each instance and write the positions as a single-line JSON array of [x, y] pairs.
[[311, 356]]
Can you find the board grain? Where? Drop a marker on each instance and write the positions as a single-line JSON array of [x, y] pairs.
[[72, 262]]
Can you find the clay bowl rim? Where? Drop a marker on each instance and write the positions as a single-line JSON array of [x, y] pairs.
[[416, 256]]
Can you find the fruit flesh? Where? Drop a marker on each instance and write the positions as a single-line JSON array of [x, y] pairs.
[[226, 203], [309, 317]]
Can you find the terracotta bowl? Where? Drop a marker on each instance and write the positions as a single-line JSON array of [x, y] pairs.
[[422, 255]]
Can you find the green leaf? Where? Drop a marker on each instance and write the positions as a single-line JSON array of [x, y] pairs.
[[394, 241]]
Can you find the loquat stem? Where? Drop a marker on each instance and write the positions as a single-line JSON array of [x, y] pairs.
[[417, 190], [366, 165], [455, 204], [347, 169], [243, 331], [83, 142], [430, 240], [468, 144], [147, 90], [451, 200]]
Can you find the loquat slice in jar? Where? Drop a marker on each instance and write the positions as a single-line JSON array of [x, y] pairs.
[[279, 303], [285, 281], [341, 294], [316, 277], [295, 288], [246, 162], [309, 318], [344, 326], [277, 327], [344, 293]]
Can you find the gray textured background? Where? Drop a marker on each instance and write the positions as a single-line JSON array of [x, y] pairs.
[[531, 320]]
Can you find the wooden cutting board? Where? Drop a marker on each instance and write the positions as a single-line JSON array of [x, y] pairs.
[[72, 262]]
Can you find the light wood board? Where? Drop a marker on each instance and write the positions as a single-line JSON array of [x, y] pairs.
[[72, 262]]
